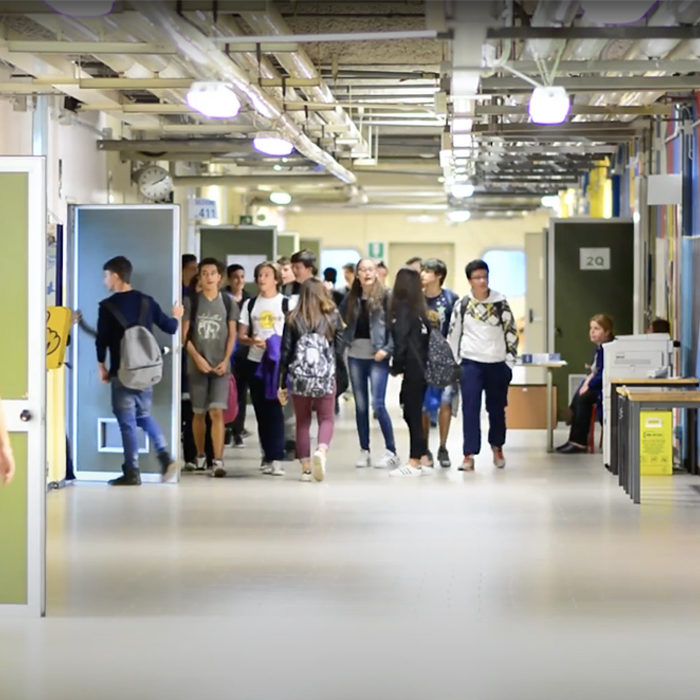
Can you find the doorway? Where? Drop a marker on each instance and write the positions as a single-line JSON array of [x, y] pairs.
[[148, 235]]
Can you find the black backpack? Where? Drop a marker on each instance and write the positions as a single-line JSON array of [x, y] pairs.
[[441, 369]]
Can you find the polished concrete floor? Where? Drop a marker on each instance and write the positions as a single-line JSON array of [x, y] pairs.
[[539, 581]]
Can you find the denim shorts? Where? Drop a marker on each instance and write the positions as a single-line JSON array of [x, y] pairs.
[[208, 391]]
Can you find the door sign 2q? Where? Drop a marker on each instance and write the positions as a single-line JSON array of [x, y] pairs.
[[594, 258]]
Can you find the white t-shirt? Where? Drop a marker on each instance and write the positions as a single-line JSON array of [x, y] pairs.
[[267, 320]]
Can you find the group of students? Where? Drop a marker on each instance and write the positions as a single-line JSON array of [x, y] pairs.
[[295, 346]]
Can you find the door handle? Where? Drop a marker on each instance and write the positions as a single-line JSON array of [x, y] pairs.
[[25, 416], [530, 315]]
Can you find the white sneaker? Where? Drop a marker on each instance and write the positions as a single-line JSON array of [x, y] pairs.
[[305, 476], [390, 460], [406, 470], [217, 468], [189, 467], [499, 460], [266, 467], [201, 464], [427, 469], [364, 460], [318, 465], [276, 468]]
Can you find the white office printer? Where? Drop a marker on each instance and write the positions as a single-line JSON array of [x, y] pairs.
[[633, 357]]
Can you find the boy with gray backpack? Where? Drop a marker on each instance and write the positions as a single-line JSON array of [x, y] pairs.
[[124, 327]]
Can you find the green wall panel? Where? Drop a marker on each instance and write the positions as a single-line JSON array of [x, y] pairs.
[[13, 283], [286, 245], [13, 526]]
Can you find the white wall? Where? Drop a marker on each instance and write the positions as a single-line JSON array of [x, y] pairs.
[[354, 229], [77, 173]]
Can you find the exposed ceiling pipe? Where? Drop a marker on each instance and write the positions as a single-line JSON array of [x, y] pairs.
[[299, 65], [131, 66], [665, 15], [246, 182], [209, 62], [248, 60]]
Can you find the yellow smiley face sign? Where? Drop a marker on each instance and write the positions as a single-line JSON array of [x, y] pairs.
[[267, 320], [57, 330]]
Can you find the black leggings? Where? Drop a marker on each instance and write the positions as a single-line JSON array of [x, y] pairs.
[[412, 393], [581, 407]]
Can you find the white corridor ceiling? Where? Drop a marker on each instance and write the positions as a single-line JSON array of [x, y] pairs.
[[386, 102]]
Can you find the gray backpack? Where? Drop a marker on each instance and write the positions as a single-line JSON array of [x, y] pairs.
[[141, 361]]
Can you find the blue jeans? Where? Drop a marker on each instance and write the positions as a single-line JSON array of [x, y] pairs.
[[376, 374], [133, 410], [492, 378]]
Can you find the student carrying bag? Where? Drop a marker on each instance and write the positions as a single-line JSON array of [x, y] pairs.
[[141, 361]]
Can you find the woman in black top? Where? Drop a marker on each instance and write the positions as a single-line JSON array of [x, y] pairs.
[[410, 330]]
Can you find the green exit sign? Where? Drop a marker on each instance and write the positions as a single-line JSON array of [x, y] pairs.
[[245, 220], [375, 249]]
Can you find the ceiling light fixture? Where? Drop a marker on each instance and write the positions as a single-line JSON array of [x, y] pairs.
[[462, 190], [458, 216], [549, 104], [280, 197], [272, 145], [213, 99]]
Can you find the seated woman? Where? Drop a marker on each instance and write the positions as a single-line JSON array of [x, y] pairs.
[[589, 394]]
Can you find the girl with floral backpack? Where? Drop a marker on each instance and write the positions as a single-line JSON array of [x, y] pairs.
[[312, 348]]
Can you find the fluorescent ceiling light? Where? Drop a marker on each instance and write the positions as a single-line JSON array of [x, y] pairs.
[[213, 99], [462, 190], [551, 201], [461, 140], [75, 8], [280, 197], [549, 104], [457, 216], [272, 145], [461, 124]]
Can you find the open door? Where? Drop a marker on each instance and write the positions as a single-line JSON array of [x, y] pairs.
[[23, 383], [535, 302], [149, 236]]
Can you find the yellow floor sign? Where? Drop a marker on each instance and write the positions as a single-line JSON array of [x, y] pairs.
[[656, 443]]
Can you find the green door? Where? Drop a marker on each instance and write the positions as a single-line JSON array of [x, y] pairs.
[[591, 270], [23, 382]]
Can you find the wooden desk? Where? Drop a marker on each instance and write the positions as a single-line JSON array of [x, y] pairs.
[[549, 366], [670, 382], [632, 401]]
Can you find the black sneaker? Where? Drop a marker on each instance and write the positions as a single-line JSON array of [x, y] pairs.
[[429, 458], [168, 466], [238, 441], [130, 478], [444, 457], [290, 450]]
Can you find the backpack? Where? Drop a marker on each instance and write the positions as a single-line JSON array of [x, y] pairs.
[[441, 369], [312, 371], [141, 361]]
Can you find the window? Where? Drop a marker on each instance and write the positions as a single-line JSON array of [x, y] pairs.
[[336, 258], [506, 271]]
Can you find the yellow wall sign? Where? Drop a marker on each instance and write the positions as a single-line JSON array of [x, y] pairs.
[[57, 331], [656, 443]]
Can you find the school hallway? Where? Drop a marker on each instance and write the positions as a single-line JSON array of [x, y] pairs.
[[539, 581]]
